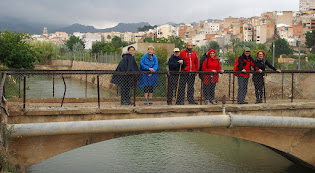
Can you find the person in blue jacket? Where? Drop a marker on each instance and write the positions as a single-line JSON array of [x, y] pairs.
[[148, 62]]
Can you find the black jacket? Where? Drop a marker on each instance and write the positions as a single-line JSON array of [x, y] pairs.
[[173, 64], [261, 64], [127, 64]]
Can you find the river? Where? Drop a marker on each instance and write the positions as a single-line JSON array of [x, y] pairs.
[[42, 87], [170, 152]]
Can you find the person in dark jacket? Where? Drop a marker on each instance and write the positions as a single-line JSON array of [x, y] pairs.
[[175, 64], [127, 64], [258, 78], [245, 62], [211, 64]]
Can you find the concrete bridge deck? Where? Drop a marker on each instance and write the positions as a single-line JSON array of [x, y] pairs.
[[296, 144]]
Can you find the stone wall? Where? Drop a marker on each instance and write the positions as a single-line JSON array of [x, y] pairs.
[[104, 79]]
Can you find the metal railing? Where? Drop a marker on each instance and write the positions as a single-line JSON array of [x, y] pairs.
[[287, 85]]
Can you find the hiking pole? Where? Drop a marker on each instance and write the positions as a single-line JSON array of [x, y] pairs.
[[264, 89], [180, 69]]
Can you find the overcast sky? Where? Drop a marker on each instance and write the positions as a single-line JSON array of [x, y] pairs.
[[108, 13]]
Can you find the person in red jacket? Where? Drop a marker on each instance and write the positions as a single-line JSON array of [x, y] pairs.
[[191, 59], [211, 64], [244, 64]]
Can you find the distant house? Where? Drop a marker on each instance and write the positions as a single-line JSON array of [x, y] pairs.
[[143, 47], [286, 60]]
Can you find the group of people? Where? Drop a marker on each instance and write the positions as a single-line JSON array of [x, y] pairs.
[[186, 61]]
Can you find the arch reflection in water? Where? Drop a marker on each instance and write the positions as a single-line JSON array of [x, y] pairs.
[[169, 152]]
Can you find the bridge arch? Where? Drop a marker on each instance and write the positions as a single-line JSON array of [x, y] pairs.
[[294, 144]]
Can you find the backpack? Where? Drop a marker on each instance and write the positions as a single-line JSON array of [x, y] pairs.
[[202, 59], [235, 68]]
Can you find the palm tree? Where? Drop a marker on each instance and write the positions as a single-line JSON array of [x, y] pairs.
[[234, 40], [227, 47]]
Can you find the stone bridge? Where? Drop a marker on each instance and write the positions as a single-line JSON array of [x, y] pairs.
[[44, 131]]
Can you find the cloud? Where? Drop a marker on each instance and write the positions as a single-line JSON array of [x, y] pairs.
[[105, 13]]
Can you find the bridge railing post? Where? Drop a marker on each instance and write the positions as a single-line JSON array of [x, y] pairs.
[[201, 89], [24, 93], [134, 89], [168, 88], [292, 88], [233, 92], [53, 85], [98, 91]]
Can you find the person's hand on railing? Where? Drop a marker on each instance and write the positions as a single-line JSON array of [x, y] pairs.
[[260, 71], [279, 70], [151, 70], [243, 70], [214, 71], [222, 71]]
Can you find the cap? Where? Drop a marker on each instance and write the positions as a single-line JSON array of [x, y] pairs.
[[176, 50], [247, 49]]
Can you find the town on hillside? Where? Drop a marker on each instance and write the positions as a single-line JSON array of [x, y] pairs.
[[289, 25]]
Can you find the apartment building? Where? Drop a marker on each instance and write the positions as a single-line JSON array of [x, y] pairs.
[[165, 31]]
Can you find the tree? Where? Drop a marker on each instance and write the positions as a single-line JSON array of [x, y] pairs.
[[227, 47], [44, 51], [78, 47], [149, 40], [117, 42], [15, 52], [310, 40], [179, 43], [108, 48], [72, 41], [109, 37], [161, 53], [213, 45], [98, 46], [233, 42], [282, 47]]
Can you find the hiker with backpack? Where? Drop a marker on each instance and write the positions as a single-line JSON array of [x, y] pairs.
[[211, 64], [243, 64], [258, 78]]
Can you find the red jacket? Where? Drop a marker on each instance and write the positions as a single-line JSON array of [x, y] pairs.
[[208, 65], [190, 59], [245, 63]]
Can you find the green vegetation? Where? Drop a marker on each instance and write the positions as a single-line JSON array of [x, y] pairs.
[[44, 51], [5, 156], [179, 43], [310, 40], [73, 43], [15, 52], [282, 47], [113, 47]]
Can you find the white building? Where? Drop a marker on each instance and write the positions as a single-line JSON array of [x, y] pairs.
[[210, 27], [165, 31], [79, 35], [91, 38], [247, 32]]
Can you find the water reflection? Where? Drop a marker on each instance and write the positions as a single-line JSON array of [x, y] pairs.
[[169, 152], [42, 87]]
